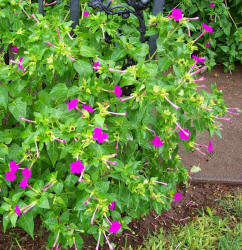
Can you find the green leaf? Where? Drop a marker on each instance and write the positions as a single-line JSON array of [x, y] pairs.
[[4, 96], [87, 51], [44, 203], [18, 108], [64, 218], [59, 92], [58, 188], [195, 169], [26, 222], [53, 152], [84, 68], [13, 219]]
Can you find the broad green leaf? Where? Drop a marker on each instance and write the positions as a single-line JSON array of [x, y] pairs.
[[59, 92], [87, 51], [195, 169], [53, 152], [84, 68], [44, 203], [26, 222], [18, 108], [4, 96]]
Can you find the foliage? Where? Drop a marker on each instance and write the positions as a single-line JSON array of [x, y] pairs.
[[40, 133], [206, 232], [225, 18]]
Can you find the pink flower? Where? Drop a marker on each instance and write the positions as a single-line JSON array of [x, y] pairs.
[[184, 136], [99, 135], [88, 108], [207, 45], [111, 207], [72, 104], [177, 197], [157, 142], [176, 14], [77, 167], [210, 146], [13, 166], [212, 5], [207, 28], [85, 13], [15, 49], [198, 59], [26, 173], [20, 65], [24, 183], [10, 176], [96, 65], [117, 90], [115, 227], [17, 210]]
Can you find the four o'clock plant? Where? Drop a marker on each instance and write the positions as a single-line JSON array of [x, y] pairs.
[[88, 142]]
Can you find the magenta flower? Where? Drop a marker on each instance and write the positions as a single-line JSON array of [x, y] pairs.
[[15, 49], [17, 210], [77, 167], [72, 104], [117, 91], [176, 14], [212, 5], [96, 65], [13, 166], [115, 227], [207, 45], [24, 183], [199, 59], [26, 173], [111, 207], [207, 28], [157, 142], [177, 197], [184, 136], [99, 135], [10, 176], [88, 108], [210, 146], [20, 65], [85, 13]]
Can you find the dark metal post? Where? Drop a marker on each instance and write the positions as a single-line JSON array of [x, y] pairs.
[[75, 13], [157, 7], [41, 7]]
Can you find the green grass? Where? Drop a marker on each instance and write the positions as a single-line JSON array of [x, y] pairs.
[[205, 232]]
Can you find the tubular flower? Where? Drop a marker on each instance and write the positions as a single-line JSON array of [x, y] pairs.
[[184, 136], [24, 183], [176, 14], [117, 91], [207, 28], [210, 146], [88, 108], [115, 227], [77, 167], [26, 173], [157, 142], [199, 59], [85, 13], [15, 49], [13, 166], [19, 64], [99, 136], [212, 5], [72, 104], [96, 65], [111, 207], [207, 45], [177, 196], [10, 176], [17, 210]]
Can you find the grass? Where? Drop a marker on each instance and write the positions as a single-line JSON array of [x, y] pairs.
[[208, 231]]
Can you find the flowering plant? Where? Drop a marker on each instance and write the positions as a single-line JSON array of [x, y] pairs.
[[87, 142], [224, 16]]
